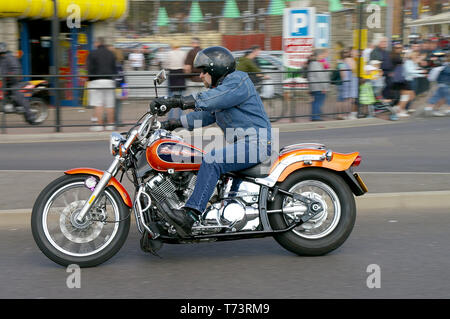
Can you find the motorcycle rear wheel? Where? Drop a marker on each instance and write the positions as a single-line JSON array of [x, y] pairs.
[[329, 229], [67, 242], [39, 108]]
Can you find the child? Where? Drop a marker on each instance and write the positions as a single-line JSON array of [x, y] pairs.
[[369, 103], [366, 97], [375, 75]]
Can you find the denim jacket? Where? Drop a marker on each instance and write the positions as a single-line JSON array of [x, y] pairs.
[[236, 108]]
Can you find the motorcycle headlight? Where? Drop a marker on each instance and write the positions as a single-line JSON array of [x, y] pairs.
[[115, 143]]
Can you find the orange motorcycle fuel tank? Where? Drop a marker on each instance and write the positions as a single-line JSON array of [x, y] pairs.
[[172, 153]]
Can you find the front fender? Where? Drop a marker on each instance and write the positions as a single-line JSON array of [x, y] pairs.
[[113, 182]]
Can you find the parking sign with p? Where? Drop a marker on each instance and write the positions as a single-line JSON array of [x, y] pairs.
[[300, 22]]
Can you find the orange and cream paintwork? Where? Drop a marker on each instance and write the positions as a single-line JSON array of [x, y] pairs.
[[339, 161], [287, 163], [113, 182], [156, 151]]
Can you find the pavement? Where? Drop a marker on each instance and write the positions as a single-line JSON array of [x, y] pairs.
[[44, 135], [390, 200]]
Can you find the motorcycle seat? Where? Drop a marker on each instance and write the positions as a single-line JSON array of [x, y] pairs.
[[262, 169]]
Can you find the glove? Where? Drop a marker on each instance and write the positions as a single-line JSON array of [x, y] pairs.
[[183, 102], [169, 102], [170, 125]]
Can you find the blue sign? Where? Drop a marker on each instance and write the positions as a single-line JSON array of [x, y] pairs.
[[301, 23], [322, 31]]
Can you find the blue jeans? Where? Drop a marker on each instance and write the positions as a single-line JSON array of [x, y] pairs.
[[243, 154], [318, 100], [442, 92]]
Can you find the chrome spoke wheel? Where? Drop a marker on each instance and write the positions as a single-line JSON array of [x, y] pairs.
[[71, 237], [324, 222], [40, 110]]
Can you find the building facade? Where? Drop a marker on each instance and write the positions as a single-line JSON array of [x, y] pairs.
[[427, 17], [25, 25]]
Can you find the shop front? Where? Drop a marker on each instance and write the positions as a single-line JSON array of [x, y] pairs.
[[79, 21]]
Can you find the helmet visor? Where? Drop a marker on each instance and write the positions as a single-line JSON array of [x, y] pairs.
[[202, 61]]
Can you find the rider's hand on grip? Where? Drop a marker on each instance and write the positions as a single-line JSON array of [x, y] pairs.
[[170, 125], [156, 107], [184, 102]]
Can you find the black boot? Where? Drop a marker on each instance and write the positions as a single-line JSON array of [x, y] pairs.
[[183, 220]]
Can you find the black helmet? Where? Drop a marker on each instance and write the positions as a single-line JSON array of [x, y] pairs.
[[3, 47], [217, 61]]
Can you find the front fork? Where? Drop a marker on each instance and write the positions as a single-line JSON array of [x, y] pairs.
[[99, 188]]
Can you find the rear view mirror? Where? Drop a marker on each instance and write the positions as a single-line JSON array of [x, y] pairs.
[[161, 77]]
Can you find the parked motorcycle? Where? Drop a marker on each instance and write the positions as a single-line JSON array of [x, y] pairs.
[[304, 200], [37, 94]]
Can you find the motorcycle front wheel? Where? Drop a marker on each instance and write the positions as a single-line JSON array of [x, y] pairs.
[[327, 230], [64, 240]]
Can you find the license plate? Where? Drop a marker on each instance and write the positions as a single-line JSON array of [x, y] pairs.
[[361, 183]]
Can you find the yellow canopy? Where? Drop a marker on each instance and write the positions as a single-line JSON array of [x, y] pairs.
[[89, 9]]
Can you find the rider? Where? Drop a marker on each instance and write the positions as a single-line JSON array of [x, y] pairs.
[[9, 65], [233, 103]]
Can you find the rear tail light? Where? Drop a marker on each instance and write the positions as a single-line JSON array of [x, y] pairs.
[[357, 161]]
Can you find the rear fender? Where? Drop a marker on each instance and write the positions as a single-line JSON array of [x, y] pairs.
[[292, 161], [289, 163], [113, 182]]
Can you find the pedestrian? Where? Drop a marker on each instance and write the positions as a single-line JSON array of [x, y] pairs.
[[367, 51], [381, 53], [366, 98], [412, 73], [324, 60], [400, 84], [339, 46], [121, 86], [176, 78], [193, 82], [319, 81], [441, 75], [147, 57], [348, 89], [375, 76], [9, 65], [248, 64], [233, 103], [102, 70], [136, 60]]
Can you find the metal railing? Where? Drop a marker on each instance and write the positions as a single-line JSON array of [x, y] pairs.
[[282, 99]]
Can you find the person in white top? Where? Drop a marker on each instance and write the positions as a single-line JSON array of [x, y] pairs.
[[177, 79], [136, 60], [411, 71]]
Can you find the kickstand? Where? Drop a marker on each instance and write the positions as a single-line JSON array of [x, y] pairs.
[[149, 245]]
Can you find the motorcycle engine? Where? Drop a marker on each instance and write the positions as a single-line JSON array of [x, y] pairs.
[[175, 189], [236, 213]]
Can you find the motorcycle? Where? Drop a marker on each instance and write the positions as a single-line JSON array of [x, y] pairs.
[[305, 199], [36, 92]]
